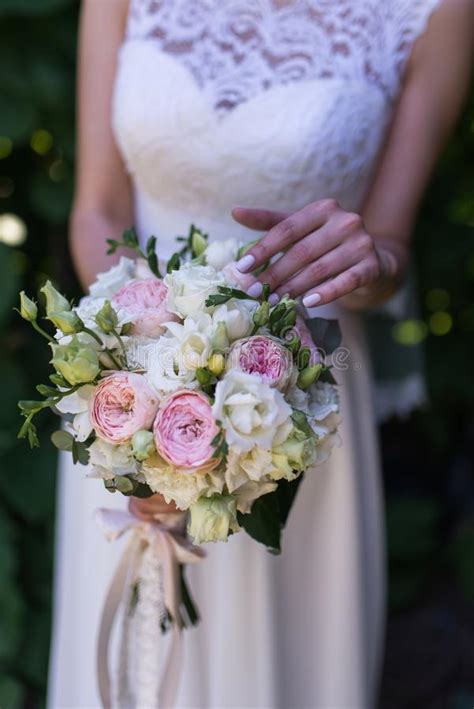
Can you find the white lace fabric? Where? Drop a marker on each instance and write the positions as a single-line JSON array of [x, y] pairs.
[[237, 48]]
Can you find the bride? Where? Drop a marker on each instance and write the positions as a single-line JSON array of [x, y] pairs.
[[317, 123]]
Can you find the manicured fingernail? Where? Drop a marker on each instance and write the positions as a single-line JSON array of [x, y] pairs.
[[255, 290], [273, 299], [245, 263], [311, 300]]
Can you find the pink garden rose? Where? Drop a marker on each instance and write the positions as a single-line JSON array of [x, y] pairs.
[[301, 329], [184, 430], [144, 302], [123, 403], [263, 356]]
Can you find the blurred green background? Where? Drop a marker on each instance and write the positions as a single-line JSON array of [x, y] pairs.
[[428, 459]]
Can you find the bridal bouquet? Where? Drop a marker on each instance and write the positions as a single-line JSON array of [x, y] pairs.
[[180, 383]]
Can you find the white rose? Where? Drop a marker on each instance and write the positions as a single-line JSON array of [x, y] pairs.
[[189, 287], [108, 460], [236, 315], [111, 281], [194, 336], [165, 367], [220, 253], [250, 410], [181, 487]]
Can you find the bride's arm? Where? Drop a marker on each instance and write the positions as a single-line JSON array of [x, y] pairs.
[[102, 203], [330, 253]]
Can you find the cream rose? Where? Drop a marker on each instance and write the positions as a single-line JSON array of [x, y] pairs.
[[182, 487], [219, 253], [213, 518], [189, 287], [250, 410]]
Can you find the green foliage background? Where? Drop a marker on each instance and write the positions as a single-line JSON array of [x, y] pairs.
[[428, 460]]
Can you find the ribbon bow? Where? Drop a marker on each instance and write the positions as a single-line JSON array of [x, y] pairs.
[[167, 533]]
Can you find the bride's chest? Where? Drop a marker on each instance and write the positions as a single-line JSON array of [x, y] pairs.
[[246, 87]]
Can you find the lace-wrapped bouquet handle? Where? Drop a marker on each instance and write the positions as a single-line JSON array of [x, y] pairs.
[[181, 384]]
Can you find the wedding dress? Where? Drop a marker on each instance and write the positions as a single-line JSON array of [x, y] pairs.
[[220, 103]]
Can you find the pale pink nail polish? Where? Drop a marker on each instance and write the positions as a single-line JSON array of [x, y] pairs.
[[245, 263], [311, 300], [255, 290]]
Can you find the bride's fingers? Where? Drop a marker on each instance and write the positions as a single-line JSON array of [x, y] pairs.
[[319, 270], [313, 248], [258, 219], [287, 232], [343, 284]]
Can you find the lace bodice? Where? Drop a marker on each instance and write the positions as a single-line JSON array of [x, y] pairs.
[[236, 48], [256, 102]]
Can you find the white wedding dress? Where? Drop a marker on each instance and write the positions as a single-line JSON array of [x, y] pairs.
[[259, 103]]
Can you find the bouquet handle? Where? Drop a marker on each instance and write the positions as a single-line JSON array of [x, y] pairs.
[[166, 534]]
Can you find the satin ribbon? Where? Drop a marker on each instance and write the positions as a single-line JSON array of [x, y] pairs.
[[166, 531]]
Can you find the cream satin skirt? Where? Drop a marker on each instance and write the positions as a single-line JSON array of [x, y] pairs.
[[300, 631]]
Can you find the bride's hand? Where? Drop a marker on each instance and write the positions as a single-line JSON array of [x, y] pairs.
[[327, 254]]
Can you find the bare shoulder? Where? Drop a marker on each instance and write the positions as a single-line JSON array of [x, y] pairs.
[[448, 39]]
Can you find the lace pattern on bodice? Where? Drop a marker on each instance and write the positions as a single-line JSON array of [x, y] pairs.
[[237, 48]]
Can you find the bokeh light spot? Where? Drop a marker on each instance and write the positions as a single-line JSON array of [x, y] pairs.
[[13, 230], [6, 146], [441, 323], [437, 299], [56, 171], [41, 141], [409, 332]]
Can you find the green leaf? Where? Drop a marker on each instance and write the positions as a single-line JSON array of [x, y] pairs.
[[45, 390], [80, 454], [326, 334], [63, 440], [225, 294], [130, 238], [269, 515], [286, 493], [28, 431], [188, 601], [113, 245], [152, 257], [124, 484], [327, 376], [262, 523], [174, 264]]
